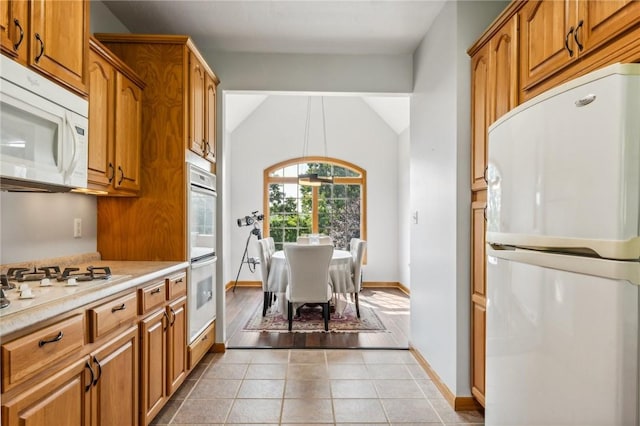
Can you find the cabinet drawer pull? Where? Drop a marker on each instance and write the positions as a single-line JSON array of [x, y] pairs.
[[41, 343], [178, 281], [41, 48], [118, 308], [155, 291], [17, 24], [87, 387]]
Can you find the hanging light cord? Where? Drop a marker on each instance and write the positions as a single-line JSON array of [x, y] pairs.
[[324, 128], [305, 145]]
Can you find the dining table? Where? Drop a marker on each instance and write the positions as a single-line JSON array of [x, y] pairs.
[[339, 278]]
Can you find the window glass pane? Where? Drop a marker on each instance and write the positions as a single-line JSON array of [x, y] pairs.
[[290, 171], [291, 211]]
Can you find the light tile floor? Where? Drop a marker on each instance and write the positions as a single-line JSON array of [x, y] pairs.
[[306, 386]]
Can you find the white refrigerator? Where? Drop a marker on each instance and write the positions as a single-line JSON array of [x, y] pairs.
[[563, 256]]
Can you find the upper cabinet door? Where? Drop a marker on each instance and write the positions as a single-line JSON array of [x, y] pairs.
[[210, 120], [503, 70], [59, 41], [599, 21], [479, 116], [128, 136], [101, 169], [546, 37], [197, 78], [14, 30]]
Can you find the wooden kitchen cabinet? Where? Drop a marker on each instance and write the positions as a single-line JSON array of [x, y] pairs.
[[494, 91], [164, 348], [478, 298], [114, 390], [202, 112], [50, 36], [14, 28], [176, 344], [159, 219], [554, 33], [115, 115], [62, 399]]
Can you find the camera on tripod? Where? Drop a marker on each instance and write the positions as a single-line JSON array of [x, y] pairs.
[[250, 220]]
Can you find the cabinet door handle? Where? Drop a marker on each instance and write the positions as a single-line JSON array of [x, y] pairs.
[[155, 290], [173, 321], [87, 387], [113, 172], [41, 343], [118, 308], [95, 382], [17, 24], [121, 175], [575, 36], [566, 42], [41, 47], [484, 174], [167, 318], [484, 213]]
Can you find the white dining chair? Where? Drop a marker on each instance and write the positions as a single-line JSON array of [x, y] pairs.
[[265, 262], [323, 239], [271, 244], [308, 277], [302, 240], [357, 248]]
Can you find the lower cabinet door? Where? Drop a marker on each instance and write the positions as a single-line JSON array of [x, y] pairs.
[[115, 390], [63, 399], [177, 344], [153, 332]]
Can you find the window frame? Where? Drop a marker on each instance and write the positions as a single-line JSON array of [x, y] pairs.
[[345, 180]]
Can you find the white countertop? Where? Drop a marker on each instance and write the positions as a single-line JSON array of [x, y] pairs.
[[49, 302]]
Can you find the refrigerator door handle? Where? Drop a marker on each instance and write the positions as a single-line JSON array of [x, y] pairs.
[[612, 269], [607, 249]]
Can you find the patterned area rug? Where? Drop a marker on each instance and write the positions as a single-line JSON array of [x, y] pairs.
[[310, 321]]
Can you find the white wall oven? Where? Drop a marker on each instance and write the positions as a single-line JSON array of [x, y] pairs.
[[201, 297]]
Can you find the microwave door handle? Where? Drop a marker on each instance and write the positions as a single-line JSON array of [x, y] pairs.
[[74, 157]]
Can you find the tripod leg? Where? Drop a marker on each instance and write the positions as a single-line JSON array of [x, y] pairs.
[[244, 255]]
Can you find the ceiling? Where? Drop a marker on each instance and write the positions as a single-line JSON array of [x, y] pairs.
[[383, 27], [286, 26]]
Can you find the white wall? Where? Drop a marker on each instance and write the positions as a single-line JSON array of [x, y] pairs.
[[320, 73], [440, 190], [37, 226], [404, 212], [274, 132]]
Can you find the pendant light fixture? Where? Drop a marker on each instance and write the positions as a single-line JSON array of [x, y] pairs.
[[313, 179]]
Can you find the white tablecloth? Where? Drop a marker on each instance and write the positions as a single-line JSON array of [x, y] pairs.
[[339, 277]]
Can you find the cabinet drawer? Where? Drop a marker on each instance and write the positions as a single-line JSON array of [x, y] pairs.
[[201, 345], [26, 356], [111, 315], [176, 286], [152, 296]]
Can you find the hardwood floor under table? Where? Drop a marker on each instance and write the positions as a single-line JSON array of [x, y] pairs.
[[390, 304]]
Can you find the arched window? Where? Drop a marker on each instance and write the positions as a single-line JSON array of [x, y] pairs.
[[337, 209]]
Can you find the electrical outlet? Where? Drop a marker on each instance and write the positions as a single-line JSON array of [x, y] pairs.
[[77, 227]]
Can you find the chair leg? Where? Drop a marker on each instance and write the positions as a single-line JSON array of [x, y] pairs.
[[357, 305], [325, 312], [265, 303], [290, 314]]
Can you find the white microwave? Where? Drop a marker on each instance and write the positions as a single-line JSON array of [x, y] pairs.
[[44, 132]]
